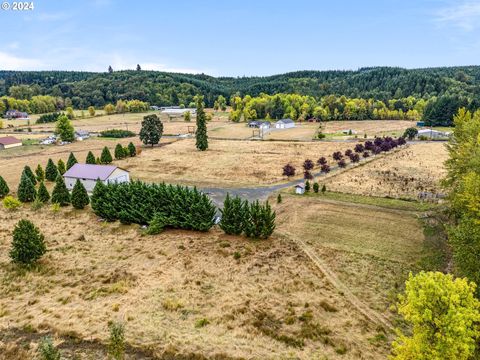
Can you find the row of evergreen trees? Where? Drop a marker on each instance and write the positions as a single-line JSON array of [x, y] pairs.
[[254, 219], [141, 203]]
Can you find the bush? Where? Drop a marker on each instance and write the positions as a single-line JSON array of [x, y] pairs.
[[288, 170], [307, 175], [308, 165], [410, 133], [117, 133], [80, 197], [325, 169], [366, 154], [260, 221], [47, 351], [137, 202], [10, 203], [233, 215], [337, 156], [4, 189], [119, 152], [106, 156], [28, 243], [60, 194], [26, 190], [359, 148], [342, 164], [116, 343], [322, 161], [51, 171]]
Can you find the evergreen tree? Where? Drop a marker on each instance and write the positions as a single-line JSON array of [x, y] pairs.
[[51, 171], [39, 173], [307, 185], [60, 194], [28, 243], [260, 221], [201, 133], [64, 129], [26, 190], [152, 130], [61, 167], [72, 160], [324, 188], [279, 198], [42, 193], [132, 150], [119, 153], [4, 189], [28, 171], [80, 197], [106, 156], [233, 215], [90, 158], [315, 187]]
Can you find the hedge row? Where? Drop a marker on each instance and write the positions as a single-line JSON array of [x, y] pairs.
[[137, 202]]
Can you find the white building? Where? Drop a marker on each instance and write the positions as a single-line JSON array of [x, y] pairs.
[[8, 142], [88, 174], [433, 134], [178, 111], [300, 189], [284, 124]]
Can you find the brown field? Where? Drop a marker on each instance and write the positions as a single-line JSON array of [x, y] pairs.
[[301, 131], [371, 249], [402, 174], [182, 292], [231, 130], [226, 163], [369, 127]]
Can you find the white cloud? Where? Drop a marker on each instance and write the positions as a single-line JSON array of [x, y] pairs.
[[12, 62], [464, 15]]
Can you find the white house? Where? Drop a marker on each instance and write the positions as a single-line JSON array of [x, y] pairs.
[[88, 174], [284, 124], [300, 189]]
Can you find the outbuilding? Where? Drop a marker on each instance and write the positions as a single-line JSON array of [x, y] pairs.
[[284, 124], [300, 189], [8, 142], [432, 134], [89, 174]]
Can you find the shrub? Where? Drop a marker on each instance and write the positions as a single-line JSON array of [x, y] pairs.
[[307, 185], [61, 167], [201, 323], [60, 194], [106, 156], [10, 203], [376, 150], [307, 175], [260, 221], [279, 198], [288, 170], [26, 190], [28, 243], [4, 189], [80, 197], [233, 215], [342, 164], [119, 153], [39, 173], [322, 161], [27, 171], [90, 158], [47, 351], [308, 165], [315, 187], [359, 148], [368, 145], [116, 343], [354, 158], [325, 169], [72, 160], [51, 171], [132, 151], [117, 133], [410, 133], [366, 154], [348, 153], [324, 188], [337, 156]]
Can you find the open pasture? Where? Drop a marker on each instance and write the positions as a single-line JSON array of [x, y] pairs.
[[370, 127], [402, 174], [301, 132]]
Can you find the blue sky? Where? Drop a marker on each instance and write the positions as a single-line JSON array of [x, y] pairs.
[[236, 38]]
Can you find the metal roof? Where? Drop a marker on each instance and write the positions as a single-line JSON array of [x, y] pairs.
[[90, 171], [8, 140]]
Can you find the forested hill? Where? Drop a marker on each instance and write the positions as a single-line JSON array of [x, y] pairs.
[[161, 88]]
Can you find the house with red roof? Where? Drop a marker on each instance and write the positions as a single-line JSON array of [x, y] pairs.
[[8, 142]]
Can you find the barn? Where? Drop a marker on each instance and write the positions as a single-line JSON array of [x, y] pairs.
[[284, 124], [8, 142], [88, 174]]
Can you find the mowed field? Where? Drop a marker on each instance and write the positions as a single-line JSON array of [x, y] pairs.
[[370, 127], [183, 293], [371, 249], [226, 163], [301, 132], [403, 174]]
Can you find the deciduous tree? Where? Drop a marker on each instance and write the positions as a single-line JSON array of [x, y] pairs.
[[64, 129], [152, 130]]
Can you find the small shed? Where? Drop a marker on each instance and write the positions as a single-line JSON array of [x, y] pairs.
[[300, 189], [8, 142], [284, 124], [88, 174]]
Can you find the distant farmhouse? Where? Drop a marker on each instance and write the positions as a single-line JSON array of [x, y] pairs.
[[284, 124], [176, 110], [15, 114], [259, 124], [8, 142], [432, 134], [88, 174], [81, 135]]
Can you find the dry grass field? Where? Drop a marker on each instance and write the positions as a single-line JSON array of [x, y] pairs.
[[226, 163], [185, 294], [402, 174], [369, 127], [371, 249], [301, 131], [231, 130]]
